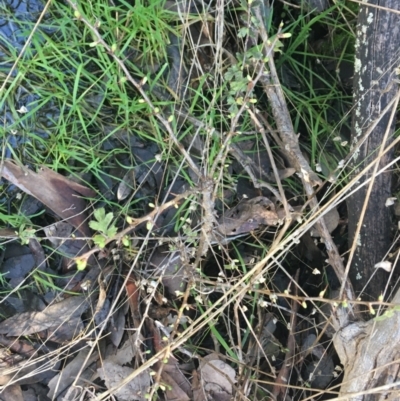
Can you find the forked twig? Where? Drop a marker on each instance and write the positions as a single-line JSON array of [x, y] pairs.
[[309, 178]]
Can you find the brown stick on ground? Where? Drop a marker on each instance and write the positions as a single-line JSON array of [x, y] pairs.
[[308, 177], [282, 380]]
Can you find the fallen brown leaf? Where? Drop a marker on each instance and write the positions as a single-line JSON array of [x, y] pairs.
[[61, 195], [247, 216], [136, 389], [57, 314]]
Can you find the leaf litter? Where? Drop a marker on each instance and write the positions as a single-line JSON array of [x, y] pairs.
[[132, 307], [53, 316]]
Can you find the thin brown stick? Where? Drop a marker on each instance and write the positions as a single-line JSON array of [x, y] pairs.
[[283, 375], [150, 217], [273, 89]]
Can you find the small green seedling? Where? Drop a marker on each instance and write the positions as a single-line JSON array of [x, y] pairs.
[[104, 226], [26, 233]]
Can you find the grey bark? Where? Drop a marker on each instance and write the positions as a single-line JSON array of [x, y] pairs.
[[377, 43]]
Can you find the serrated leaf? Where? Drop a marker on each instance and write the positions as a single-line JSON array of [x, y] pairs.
[[111, 231], [100, 240], [95, 225], [108, 219], [99, 214], [103, 221]]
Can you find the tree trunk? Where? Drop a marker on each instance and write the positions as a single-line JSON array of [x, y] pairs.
[[370, 354], [377, 44]]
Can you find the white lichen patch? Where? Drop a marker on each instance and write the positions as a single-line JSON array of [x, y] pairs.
[[357, 65]]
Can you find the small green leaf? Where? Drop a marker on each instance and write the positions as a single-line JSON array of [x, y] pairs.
[[81, 264], [25, 234], [243, 32], [108, 219], [111, 231], [100, 240], [94, 225], [99, 214], [103, 223], [125, 241]]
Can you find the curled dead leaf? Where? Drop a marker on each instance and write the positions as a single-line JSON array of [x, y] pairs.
[[385, 265], [247, 216]]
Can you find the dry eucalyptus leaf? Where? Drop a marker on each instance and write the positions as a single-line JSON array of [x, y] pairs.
[[331, 220], [66, 377], [126, 186], [123, 355], [216, 374], [320, 371], [173, 390], [271, 347], [61, 195], [57, 315], [169, 265], [118, 329], [30, 395], [21, 371], [183, 389], [79, 389], [198, 390], [136, 389], [58, 232], [17, 266], [12, 393]]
